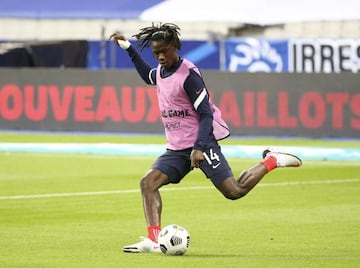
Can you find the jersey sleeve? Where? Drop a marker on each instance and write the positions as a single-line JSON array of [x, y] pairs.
[[198, 94], [147, 73]]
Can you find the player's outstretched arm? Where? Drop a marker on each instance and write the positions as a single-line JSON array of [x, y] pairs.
[[144, 70]]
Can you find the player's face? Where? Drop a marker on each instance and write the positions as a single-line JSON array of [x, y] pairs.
[[166, 54]]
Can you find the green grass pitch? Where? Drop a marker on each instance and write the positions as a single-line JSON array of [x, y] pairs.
[[75, 210]]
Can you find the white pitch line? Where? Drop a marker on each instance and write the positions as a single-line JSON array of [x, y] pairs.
[[190, 188]]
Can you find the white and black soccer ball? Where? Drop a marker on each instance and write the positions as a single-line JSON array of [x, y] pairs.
[[174, 240]]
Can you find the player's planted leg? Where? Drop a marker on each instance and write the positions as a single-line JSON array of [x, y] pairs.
[[150, 185]]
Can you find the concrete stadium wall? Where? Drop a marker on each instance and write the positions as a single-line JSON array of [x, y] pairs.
[[95, 29]]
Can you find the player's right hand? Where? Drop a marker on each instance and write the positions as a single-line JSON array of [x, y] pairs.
[[196, 157], [120, 40]]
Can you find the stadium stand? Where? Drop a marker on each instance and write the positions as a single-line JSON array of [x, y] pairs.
[[54, 20]]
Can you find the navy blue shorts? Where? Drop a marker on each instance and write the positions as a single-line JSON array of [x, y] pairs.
[[176, 164]]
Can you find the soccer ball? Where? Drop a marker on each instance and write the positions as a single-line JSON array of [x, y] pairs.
[[174, 240]]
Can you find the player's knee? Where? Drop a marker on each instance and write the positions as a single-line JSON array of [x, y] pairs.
[[148, 184], [231, 189], [145, 184], [234, 195]]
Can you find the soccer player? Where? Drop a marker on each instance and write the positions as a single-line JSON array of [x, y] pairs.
[[193, 126]]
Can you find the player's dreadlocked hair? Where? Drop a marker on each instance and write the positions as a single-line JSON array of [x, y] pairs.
[[167, 32]]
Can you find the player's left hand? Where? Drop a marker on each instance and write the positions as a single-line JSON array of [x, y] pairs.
[[196, 157]]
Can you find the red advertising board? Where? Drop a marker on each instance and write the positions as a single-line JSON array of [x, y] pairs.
[[302, 105]]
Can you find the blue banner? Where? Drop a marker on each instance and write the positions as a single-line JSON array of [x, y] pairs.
[[256, 55]]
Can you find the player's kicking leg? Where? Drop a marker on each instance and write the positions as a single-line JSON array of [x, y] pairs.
[[234, 189]]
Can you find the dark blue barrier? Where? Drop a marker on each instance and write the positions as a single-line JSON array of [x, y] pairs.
[[107, 55]]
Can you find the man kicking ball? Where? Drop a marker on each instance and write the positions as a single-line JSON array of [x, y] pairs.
[[193, 127]]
